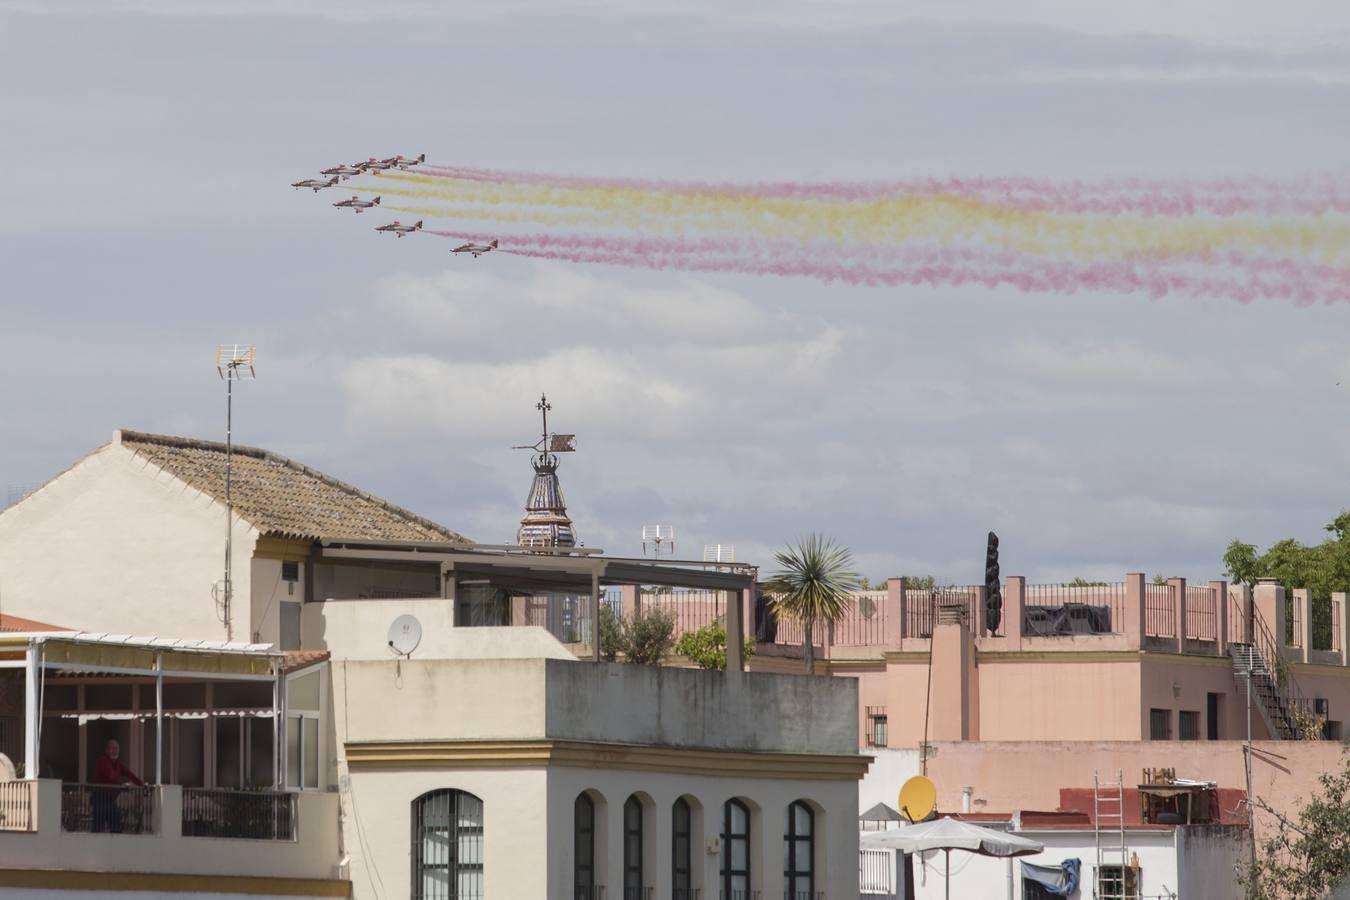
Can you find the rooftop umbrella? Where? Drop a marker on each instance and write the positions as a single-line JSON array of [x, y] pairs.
[[948, 835]]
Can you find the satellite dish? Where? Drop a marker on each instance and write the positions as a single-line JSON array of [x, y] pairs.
[[918, 798], [404, 635]]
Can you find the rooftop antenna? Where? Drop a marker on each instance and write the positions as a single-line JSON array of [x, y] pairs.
[[719, 553], [662, 539], [234, 362]]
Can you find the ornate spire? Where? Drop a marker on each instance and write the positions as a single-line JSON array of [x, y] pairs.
[[546, 523]]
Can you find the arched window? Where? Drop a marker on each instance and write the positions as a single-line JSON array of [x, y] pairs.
[[632, 849], [447, 855], [799, 852], [583, 827], [735, 851], [681, 850]]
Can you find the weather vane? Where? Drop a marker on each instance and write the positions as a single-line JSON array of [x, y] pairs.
[[549, 443]]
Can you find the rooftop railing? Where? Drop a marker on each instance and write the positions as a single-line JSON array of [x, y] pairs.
[[258, 815]]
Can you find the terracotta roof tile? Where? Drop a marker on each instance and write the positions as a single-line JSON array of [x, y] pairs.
[[299, 659], [15, 623], [283, 498]]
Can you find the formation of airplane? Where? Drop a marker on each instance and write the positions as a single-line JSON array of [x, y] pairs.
[[403, 163], [317, 184], [400, 230], [345, 171], [357, 203], [476, 249]]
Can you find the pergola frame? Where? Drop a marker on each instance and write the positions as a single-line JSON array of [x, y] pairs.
[[579, 571]]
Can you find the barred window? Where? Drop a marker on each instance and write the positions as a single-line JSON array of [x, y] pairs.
[[735, 851], [447, 852], [583, 831], [799, 853]]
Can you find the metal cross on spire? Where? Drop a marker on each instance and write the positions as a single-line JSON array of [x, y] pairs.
[[549, 443]]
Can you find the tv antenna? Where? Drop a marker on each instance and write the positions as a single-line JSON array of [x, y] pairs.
[[549, 443], [662, 539], [719, 553], [234, 362]]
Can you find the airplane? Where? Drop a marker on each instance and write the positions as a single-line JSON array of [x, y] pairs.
[[357, 203], [314, 183], [345, 171], [400, 230], [476, 249], [377, 165], [404, 162]]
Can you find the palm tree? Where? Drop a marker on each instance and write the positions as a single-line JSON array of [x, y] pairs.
[[815, 582]]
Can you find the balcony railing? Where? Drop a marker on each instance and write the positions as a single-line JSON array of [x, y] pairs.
[[256, 815], [594, 892], [686, 894], [115, 809], [638, 893], [17, 799]]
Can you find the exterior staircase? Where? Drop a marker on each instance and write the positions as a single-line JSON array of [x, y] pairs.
[[1275, 694]]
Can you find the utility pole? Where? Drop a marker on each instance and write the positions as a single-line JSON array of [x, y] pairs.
[[234, 362]]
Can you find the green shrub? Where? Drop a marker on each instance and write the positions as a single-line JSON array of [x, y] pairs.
[[611, 634], [648, 637], [707, 647]]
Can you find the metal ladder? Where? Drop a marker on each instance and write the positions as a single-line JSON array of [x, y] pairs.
[[1108, 826]]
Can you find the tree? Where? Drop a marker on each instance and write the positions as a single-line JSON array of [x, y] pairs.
[[1083, 582], [707, 647], [648, 637], [1308, 857], [815, 583], [611, 633], [919, 582]]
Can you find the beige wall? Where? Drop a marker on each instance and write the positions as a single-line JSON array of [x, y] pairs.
[[314, 853], [1033, 697], [359, 629], [1027, 775], [114, 544]]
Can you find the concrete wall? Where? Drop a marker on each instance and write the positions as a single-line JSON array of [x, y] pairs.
[[114, 544], [314, 853], [890, 769], [1209, 858], [1028, 774], [693, 708], [1034, 697], [358, 629]]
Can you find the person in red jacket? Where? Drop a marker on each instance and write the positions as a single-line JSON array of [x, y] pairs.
[[109, 772]]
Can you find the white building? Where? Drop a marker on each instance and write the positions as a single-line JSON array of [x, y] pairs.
[[490, 763]]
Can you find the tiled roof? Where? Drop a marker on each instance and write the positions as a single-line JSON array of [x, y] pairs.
[[299, 659], [15, 623], [283, 498]]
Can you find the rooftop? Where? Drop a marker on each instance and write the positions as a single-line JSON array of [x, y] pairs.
[[281, 497], [18, 623]]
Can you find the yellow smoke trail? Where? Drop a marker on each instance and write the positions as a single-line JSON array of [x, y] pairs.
[[883, 220]]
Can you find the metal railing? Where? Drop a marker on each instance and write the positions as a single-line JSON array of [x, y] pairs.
[[638, 893], [921, 609], [1202, 614], [803, 895], [864, 624], [1322, 613], [594, 892], [686, 894], [17, 802], [116, 809], [691, 610], [1160, 617], [258, 815], [876, 872], [1237, 616], [1055, 609], [738, 895]]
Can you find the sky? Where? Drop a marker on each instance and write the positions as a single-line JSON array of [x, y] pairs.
[[147, 217]]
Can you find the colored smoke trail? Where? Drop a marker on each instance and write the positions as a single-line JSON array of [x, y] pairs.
[[1245, 239], [902, 220], [1127, 196], [1239, 276]]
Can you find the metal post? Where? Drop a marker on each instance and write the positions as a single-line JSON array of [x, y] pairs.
[[32, 714], [1251, 813], [229, 502], [595, 614], [159, 718]]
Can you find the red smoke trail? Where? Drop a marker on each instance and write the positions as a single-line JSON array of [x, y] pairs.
[[1223, 197], [1243, 276], [1028, 275]]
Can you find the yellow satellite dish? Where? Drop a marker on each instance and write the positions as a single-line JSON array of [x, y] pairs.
[[918, 799]]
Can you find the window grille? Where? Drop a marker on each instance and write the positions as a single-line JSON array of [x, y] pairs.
[[632, 849], [735, 870], [681, 850], [583, 828], [447, 846], [799, 853]]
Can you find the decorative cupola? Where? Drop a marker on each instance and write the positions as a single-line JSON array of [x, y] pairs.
[[546, 523]]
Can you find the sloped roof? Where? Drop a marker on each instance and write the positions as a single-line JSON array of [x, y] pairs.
[[17, 623], [283, 498]]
